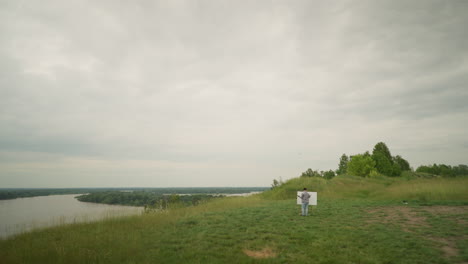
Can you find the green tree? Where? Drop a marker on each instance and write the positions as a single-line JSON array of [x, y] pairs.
[[382, 148], [310, 173], [382, 163], [404, 164], [396, 170], [460, 170], [329, 174], [276, 183], [361, 165], [343, 165], [444, 170], [435, 169], [383, 160], [424, 169]]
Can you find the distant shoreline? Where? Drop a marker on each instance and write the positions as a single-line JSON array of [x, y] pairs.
[[14, 193]]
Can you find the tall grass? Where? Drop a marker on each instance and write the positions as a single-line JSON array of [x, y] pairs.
[[351, 187], [289, 189], [114, 240], [219, 230], [425, 190]]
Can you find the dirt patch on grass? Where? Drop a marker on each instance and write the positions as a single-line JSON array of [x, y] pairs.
[[260, 254], [405, 217], [449, 246], [409, 218], [456, 213], [446, 210]]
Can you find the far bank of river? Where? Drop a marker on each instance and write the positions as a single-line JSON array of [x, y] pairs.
[[23, 214]]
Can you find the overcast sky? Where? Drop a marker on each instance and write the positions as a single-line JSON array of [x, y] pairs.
[[225, 93]]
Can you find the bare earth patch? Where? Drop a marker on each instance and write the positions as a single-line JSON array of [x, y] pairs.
[[262, 254], [449, 246], [409, 218], [401, 215], [446, 210]]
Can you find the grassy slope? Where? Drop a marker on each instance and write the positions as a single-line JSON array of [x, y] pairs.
[[351, 224]]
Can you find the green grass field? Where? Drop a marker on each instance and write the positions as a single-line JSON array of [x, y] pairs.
[[357, 220]]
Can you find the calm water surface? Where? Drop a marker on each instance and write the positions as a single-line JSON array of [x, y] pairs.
[[23, 214]]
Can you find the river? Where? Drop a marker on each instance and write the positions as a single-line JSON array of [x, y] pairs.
[[24, 214]]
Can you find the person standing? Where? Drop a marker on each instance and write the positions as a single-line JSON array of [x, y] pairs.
[[305, 196]]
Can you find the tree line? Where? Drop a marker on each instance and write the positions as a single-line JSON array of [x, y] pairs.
[[142, 198], [444, 170], [381, 162], [13, 193]]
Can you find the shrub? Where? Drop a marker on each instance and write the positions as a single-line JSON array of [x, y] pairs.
[[361, 165]]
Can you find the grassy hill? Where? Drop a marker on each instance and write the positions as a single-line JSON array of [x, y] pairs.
[[357, 220]]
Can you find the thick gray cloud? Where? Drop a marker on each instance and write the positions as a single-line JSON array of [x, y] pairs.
[[225, 93]]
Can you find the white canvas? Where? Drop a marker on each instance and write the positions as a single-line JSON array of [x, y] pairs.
[[312, 200]]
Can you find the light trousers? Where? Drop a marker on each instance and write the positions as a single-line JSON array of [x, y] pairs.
[[305, 209]]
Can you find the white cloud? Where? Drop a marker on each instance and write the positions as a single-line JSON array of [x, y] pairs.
[[225, 93]]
